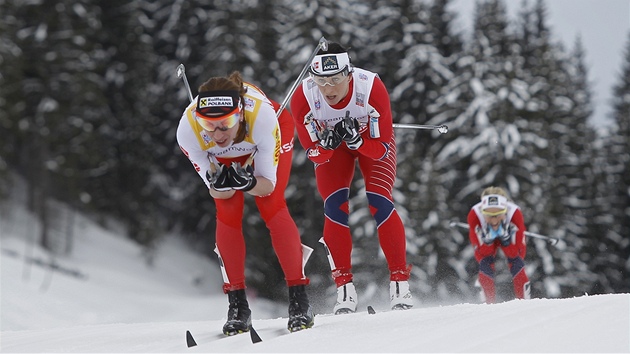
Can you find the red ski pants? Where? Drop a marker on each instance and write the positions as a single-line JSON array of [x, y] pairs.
[[515, 253], [285, 237], [333, 183]]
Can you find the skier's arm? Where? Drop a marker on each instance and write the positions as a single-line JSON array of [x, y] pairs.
[[187, 141], [266, 134], [300, 109], [378, 147], [473, 225], [518, 221]]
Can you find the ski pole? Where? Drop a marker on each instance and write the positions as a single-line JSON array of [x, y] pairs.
[[181, 73], [442, 129], [323, 44], [250, 159], [552, 240]]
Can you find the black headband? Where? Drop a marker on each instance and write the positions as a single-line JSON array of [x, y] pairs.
[[216, 104]]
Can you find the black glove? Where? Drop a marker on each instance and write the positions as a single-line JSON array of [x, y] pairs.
[[241, 178], [329, 139], [348, 130], [219, 180]]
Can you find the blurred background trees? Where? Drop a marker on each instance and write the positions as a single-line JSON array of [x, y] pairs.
[[89, 106]]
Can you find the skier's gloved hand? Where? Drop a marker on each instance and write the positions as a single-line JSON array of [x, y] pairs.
[[348, 130], [219, 180], [241, 178], [509, 235], [485, 234], [329, 139]]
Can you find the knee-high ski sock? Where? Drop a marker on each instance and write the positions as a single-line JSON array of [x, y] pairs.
[[519, 278], [486, 279]]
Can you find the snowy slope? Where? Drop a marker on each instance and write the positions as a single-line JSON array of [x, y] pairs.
[[595, 324], [104, 298]]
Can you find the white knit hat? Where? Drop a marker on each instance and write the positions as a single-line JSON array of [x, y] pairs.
[[330, 64], [493, 201]]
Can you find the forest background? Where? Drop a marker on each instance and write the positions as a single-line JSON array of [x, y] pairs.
[[90, 102]]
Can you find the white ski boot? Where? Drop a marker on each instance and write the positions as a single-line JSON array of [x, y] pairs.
[[346, 299], [400, 295]]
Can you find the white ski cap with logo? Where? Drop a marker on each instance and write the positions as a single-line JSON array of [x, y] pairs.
[[330, 64], [493, 201]]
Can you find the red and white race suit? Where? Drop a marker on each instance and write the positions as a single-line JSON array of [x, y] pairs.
[[514, 251], [367, 101]]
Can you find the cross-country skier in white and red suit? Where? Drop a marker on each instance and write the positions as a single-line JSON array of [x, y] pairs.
[[495, 222], [343, 117]]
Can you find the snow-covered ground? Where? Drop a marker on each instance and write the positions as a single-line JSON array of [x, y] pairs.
[[104, 298]]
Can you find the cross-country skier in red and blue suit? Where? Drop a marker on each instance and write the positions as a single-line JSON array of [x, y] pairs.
[[495, 222], [343, 116]]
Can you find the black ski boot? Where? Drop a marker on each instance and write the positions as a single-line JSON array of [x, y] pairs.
[[300, 312], [239, 317]]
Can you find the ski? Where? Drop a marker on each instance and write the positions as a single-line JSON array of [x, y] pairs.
[[371, 310], [254, 335], [191, 342]]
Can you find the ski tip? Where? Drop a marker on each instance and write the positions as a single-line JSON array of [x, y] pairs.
[[254, 335], [190, 341], [371, 310]]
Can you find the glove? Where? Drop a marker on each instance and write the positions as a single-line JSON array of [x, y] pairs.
[[319, 155], [485, 235], [241, 178], [348, 130], [329, 139], [219, 180], [509, 235]]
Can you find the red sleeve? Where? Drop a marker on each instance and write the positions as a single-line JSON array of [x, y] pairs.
[[473, 223], [481, 249], [518, 220], [377, 148], [299, 109]]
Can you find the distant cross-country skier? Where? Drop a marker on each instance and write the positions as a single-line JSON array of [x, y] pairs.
[[496, 222]]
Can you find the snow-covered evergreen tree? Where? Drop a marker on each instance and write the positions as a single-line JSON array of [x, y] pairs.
[[90, 104], [610, 248], [55, 107]]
